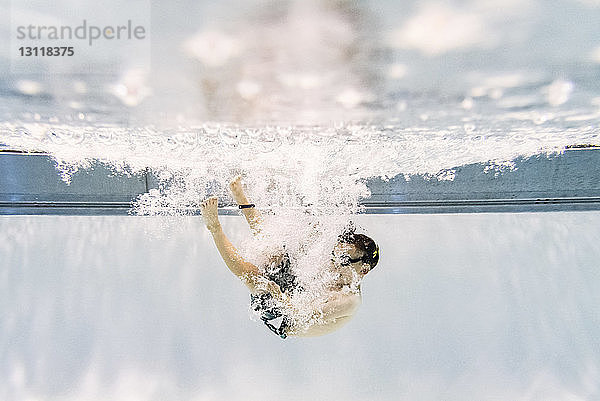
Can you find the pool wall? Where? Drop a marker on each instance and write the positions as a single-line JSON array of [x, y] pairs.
[[30, 184]]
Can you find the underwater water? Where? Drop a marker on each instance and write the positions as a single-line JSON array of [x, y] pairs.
[[308, 101], [471, 306]]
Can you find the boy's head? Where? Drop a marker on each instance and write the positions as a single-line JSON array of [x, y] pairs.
[[362, 253]]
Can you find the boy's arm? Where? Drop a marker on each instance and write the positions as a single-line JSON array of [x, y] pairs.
[[246, 271], [253, 216], [234, 261]]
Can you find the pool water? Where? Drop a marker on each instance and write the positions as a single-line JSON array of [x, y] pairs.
[[463, 306], [309, 101]]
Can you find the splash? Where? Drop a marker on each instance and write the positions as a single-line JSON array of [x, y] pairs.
[[312, 104], [321, 170], [308, 180]]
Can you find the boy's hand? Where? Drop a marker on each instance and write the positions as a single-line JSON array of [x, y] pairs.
[[236, 186], [210, 213]]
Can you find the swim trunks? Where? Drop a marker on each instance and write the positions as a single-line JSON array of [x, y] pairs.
[[265, 305]]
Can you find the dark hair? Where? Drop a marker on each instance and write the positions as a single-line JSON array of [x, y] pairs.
[[362, 242]]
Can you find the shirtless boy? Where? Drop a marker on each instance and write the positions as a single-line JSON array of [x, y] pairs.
[[354, 256]]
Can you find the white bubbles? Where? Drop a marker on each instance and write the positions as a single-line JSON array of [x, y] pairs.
[[401, 105], [446, 175], [541, 118], [213, 48], [595, 55], [469, 127], [467, 103], [29, 87], [352, 97], [590, 3], [558, 92], [584, 117], [494, 86], [517, 102], [308, 180], [437, 29], [132, 87], [300, 80], [397, 71], [496, 93], [230, 138], [248, 90], [80, 87], [309, 241], [319, 169]]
